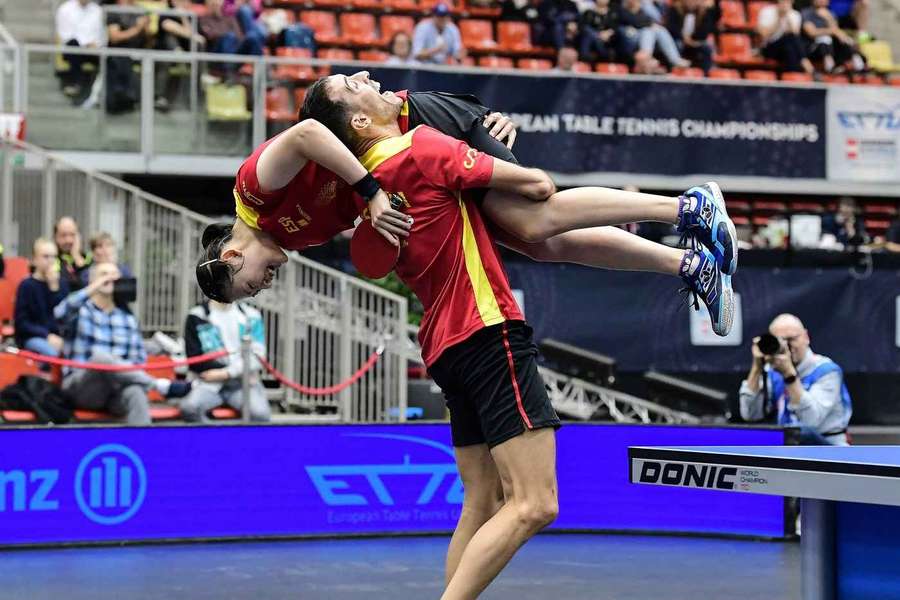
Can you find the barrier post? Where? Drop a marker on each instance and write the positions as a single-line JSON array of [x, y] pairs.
[[246, 355]]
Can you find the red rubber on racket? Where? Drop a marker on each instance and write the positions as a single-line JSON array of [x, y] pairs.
[[372, 255]]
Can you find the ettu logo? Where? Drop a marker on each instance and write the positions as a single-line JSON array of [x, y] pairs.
[[110, 484], [699, 476]]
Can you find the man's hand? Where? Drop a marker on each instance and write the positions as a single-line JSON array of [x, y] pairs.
[[781, 362], [143, 22], [77, 256], [503, 128], [99, 283], [758, 356], [390, 223], [215, 375], [55, 341]]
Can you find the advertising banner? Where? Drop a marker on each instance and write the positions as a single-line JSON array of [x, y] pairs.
[[864, 133], [127, 484]]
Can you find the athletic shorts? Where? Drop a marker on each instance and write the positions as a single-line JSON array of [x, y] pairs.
[[492, 386]]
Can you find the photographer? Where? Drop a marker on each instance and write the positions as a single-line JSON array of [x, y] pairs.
[[789, 384]]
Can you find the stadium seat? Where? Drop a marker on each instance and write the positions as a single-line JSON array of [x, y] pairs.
[[880, 210], [92, 416], [733, 15], [877, 226], [611, 68], [495, 62], [199, 9], [366, 4], [797, 77], [359, 29], [869, 79], [481, 11], [402, 5], [534, 64], [278, 105], [753, 9], [294, 72], [12, 366], [299, 97], [687, 73], [514, 37], [738, 206], [759, 221], [755, 75], [807, 207], [227, 103], [165, 413], [894, 81], [740, 221], [582, 67], [16, 268], [373, 56], [477, 34], [224, 412], [323, 24], [736, 48], [336, 54], [391, 24], [18, 416], [330, 3], [724, 74], [467, 61], [769, 206], [830, 78], [878, 56]]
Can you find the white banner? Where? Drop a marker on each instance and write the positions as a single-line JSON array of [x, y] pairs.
[[863, 133]]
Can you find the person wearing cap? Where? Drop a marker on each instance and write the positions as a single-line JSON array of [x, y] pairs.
[[436, 39]]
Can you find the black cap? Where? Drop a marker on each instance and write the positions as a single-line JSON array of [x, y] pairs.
[[214, 276]]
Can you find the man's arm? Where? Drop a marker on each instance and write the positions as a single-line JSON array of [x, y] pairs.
[[534, 184], [751, 401], [813, 405]]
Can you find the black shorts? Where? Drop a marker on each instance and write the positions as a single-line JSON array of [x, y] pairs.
[[492, 386]]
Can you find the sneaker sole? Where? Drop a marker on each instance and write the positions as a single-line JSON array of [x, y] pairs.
[[731, 267], [726, 308]]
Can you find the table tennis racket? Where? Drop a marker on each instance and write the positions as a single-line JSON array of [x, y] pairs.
[[372, 255]]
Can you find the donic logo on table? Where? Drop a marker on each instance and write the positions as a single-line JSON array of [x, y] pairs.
[[379, 483], [110, 484]]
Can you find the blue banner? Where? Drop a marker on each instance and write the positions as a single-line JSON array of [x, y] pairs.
[[585, 125], [130, 484]]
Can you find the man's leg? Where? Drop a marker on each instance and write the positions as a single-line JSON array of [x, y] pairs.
[[202, 398], [259, 404], [527, 468], [131, 403], [88, 389], [482, 499]]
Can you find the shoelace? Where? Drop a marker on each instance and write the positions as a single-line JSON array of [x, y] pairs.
[[691, 297], [706, 214]]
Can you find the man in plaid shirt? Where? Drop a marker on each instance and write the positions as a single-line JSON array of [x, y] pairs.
[[104, 333]]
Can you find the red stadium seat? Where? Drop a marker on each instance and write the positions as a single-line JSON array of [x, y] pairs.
[[807, 207], [496, 62], [534, 64], [373, 56], [830, 78], [514, 36], [198, 9], [611, 68], [740, 221], [481, 11], [753, 9], [323, 24], [299, 97], [769, 206], [733, 15], [278, 105], [477, 34], [759, 221], [367, 4], [93, 416], [12, 366], [869, 79], [738, 206], [224, 412], [330, 3], [724, 74], [391, 24], [358, 29], [297, 72], [165, 413], [582, 67], [402, 5], [736, 48], [687, 72], [755, 75], [894, 81], [18, 416], [16, 268], [797, 77], [880, 209], [877, 226], [336, 54]]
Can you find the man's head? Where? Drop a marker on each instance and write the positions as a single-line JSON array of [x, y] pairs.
[[108, 271], [601, 4], [441, 16], [566, 59], [103, 248], [65, 233], [236, 261], [353, 107], [847, 207], [788, 328], [43, 256]]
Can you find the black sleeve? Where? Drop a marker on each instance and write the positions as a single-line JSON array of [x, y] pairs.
[[458, 115], [192, 345]]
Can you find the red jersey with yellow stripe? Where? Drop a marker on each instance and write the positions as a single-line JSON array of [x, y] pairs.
[[310, 210], [451, 262]]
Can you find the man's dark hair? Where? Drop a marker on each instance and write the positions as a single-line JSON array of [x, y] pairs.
[[333, 114], [215, 276]]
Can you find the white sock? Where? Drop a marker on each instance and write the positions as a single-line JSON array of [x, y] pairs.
[[162, 385]]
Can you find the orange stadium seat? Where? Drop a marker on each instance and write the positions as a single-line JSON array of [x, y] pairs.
[[330, 3], [12, 366], [299, 97], [337, 54], [769, 206], [736, 48], [611, 68], [165, 413], [278, 105], [324, 24], [495, 62], [534, 64], [894, 81], [373, 56], [481, 11], [759, 221], [738, 206], [724, 74], [869, 79], [16, 268], [426, 6], [753, 9], [755, 75], [477, 34], [807, 207], [740, 221], [17, 416], [401, 5], [879, 209], [224, 412], [294, 72], [830, 78], [797, 77], [359, 29], [687, 72], [391, 24], [733, 15], [581, 67], [366, 4], [877, 226], [514, 36], [168, 372], [92, 416]]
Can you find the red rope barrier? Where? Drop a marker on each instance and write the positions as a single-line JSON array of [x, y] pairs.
[[154, 366], [326, 391]]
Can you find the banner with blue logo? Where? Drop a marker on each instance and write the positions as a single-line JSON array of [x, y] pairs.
[[581, 125], [67, 485], [864, 133]]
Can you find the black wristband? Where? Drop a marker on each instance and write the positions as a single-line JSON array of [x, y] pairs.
[[790, 380], [367, 187]]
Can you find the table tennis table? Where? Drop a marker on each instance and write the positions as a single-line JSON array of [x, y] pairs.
[[849, 505]]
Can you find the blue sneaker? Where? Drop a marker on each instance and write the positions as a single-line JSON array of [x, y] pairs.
[[701, 273], [703, 218]]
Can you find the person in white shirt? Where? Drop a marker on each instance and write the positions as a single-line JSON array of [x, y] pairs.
[[79, 23], [778, 25]]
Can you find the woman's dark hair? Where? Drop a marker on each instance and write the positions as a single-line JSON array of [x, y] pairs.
[[215, 276], [333, 114], [394, 41]]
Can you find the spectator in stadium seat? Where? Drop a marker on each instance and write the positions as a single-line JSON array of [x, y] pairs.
[[213, 326], [79, 23], [566, 59], [124, 30], [104, 249], [436, 39], [600, 39], [36, 329], [247, 13], [223, 34], [556, 23], [650, 36], [827, 42], [175, 32], [778, 26], [108, 334], [796, 386], [401, 50], [691, 23], [844, 226], [72, 261]]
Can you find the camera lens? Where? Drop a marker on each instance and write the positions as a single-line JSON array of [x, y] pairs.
[[768, 344]]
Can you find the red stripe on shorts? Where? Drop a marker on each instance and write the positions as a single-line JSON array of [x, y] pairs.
[[515, 383]]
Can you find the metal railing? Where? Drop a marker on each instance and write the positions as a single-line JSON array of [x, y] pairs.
[[10, 73], [321, 324]]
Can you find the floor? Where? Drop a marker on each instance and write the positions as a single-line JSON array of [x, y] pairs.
[[561, 567]]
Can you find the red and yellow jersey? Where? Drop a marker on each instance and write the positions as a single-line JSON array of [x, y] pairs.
[[451, 262], [310, 210]]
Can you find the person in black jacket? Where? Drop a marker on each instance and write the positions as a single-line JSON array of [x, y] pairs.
[[600, 37], [36, 328], [691, 23]]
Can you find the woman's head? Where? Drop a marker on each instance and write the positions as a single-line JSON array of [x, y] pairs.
[[401, 45]]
